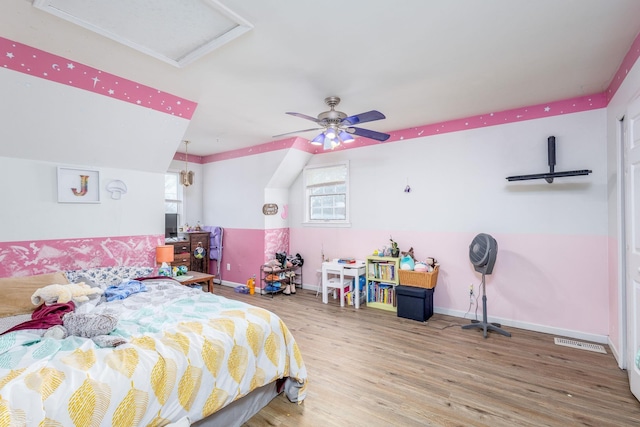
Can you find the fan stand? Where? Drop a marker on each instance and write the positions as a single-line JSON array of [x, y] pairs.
[[484, 325]]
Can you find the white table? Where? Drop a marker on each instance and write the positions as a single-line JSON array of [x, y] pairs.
[[354, 270]]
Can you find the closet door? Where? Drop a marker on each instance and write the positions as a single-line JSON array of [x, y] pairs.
[[632, 202]]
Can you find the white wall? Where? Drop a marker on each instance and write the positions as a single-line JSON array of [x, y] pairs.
[[58, 123], [31, 209], [458, 180], [551, 270], [193, 195], [236, 190]]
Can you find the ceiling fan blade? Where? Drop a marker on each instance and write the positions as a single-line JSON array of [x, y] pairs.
[[296, 131], [303, 116], [367, 133], [369, 116]]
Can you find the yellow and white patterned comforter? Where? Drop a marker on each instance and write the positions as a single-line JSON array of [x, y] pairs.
[[188, 353]]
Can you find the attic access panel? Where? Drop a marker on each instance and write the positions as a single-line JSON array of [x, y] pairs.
[[177, 32]]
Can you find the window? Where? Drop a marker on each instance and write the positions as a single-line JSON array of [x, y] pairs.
[[327, 194], [172, 193]]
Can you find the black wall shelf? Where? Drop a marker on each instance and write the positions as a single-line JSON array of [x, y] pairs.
[[549, 176]]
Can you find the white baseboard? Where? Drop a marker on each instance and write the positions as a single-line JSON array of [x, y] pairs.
[[601, 339], [622, 364], [568, 333], [230, 284]]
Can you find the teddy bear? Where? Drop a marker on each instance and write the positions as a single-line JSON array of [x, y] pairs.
[[55, 293]]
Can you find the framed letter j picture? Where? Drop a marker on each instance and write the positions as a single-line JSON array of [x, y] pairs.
[[78, 185]]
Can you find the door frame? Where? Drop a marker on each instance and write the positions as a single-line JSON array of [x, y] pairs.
[[622, 244]]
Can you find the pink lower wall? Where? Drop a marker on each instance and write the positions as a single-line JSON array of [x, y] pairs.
[[45, 256], [245, 250], [547, 280]]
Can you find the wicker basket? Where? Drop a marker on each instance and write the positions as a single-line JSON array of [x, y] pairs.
[[419, 279]]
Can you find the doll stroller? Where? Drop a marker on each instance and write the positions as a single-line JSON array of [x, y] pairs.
[[215, 250]]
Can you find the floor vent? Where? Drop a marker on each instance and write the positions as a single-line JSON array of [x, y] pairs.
[[581, 345]]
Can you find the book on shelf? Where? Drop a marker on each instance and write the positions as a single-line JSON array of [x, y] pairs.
[[382, 293], [383, 271]]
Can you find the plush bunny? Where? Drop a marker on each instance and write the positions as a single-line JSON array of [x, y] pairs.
[[52, 294]]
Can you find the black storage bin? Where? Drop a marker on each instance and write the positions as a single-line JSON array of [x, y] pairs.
[[415, 303]]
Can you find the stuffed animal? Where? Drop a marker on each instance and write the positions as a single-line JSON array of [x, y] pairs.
[[421, 266], [87, 325], [52, 294], [409, 253], [408, 260], [407, 263]]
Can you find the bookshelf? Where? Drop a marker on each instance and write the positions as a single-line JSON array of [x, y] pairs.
[[382, 279]]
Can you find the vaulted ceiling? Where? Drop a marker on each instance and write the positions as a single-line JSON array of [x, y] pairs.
[[418, 62]]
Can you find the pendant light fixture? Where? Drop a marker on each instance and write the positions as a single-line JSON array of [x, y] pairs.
[[186, 176]]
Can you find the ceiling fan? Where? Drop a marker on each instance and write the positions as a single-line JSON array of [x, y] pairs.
[[337, 127]]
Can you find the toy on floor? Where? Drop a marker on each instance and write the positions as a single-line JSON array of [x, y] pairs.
[[251, 284]]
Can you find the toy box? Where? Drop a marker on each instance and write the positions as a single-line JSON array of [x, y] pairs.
[[415, 303]]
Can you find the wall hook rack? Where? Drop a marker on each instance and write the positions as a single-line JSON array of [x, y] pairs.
[[551, 150]]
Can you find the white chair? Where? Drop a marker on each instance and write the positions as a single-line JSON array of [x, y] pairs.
[[319, 285], [334, 284]]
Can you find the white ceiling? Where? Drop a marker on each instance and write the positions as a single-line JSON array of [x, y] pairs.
[[150, 26], [416, 61]]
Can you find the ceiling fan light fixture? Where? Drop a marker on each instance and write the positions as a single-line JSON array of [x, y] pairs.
[[330, 144], [330, 133], [345, 137], [318, 140], [338, 127]]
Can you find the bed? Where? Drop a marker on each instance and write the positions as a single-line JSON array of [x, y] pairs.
[[189, 355]]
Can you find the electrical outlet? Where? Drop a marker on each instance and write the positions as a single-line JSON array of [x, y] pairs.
[[471, 293], [228, 267]]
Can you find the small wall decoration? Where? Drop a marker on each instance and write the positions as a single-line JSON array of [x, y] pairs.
[[78, 185], [269, 209], [117, 188]]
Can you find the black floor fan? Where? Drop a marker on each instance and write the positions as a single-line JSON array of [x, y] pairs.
[[482, 254]]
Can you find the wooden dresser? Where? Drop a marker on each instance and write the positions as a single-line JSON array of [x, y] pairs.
[[184, 251]]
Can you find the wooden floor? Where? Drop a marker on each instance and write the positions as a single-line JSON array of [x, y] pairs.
[[371, 368]]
